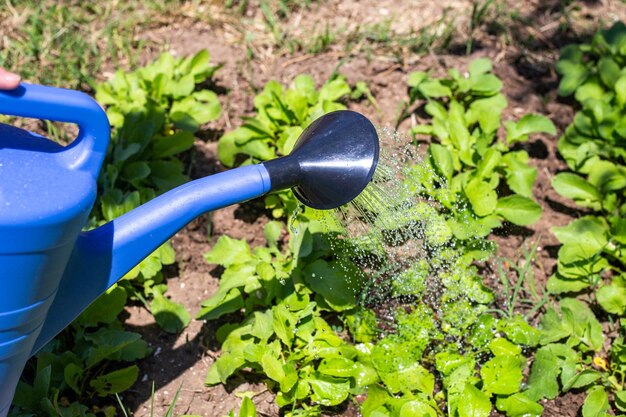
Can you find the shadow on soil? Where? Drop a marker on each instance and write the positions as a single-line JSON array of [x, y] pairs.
[[540, 31]]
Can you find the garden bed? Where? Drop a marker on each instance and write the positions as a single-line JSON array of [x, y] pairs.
[[529, 84]]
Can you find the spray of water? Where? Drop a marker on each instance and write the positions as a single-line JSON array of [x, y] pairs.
[[396, 234]]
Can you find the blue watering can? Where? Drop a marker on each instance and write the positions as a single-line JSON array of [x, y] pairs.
[[50, 270]]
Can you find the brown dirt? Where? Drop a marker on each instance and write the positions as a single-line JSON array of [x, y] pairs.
[[523, 56]]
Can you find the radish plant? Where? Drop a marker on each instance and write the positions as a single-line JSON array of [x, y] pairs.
[[465, 115]]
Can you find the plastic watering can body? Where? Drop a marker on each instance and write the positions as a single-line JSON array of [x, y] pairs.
[[46, 194], [51, 270]]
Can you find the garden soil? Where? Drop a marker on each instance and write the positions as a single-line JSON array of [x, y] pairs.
[[523, 56]]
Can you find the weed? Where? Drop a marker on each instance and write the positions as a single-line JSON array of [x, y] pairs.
[[170, 408], [48, 43], [321, 42], [477, 17], [380, 37], [524, 281]]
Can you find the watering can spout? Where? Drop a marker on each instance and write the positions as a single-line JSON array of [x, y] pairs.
[[331, 163], [104, 255]]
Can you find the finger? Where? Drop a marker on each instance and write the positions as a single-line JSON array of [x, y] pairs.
[[8, 80]]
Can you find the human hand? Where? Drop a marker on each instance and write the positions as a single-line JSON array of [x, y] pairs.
[[8, 80]]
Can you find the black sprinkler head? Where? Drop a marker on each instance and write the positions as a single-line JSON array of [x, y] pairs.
[[331, 163]]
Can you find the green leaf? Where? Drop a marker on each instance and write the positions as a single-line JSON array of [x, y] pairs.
[[41, 386], [272, 367], [553, 328], [291, 377], [328, 390], [547, 365], [618, 230], [519, 332], [434, 88], [573, 186], [612, 297], [272, 232], [216, 307], [171, 316], [487, 112], [574, 74], [265, 271], [262, 324], [105, 309], [228, 251], [609, 71], [606, 176], [247, 408], [373, 406], [488, 163], [557, 285], [134, 172], [442, 160], [338, 284], [334, 90], [460, 135], [197, 109], [199, 66], [620, 91], [485, 84], [596, 403], [480, 66], [167, 174], [407, 379], [415, 78], [72, 375], [417, 408], [114, 203], [106, 343], [365, 375], [592, 89], [520, 176], [527, 125], [581, 379], [502, 374], [473, 403], [518, 210], [502, 347], [586, 328], [588, 229], [284, 323], [436, 110], [173, 144], [620, 400], [481, 196], [337, 366], [575, 253], [115, 382], [227, 148], [224, 366], [519, 405], [180, 88]]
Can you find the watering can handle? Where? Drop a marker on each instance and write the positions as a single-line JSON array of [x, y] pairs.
[[62, 105]]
